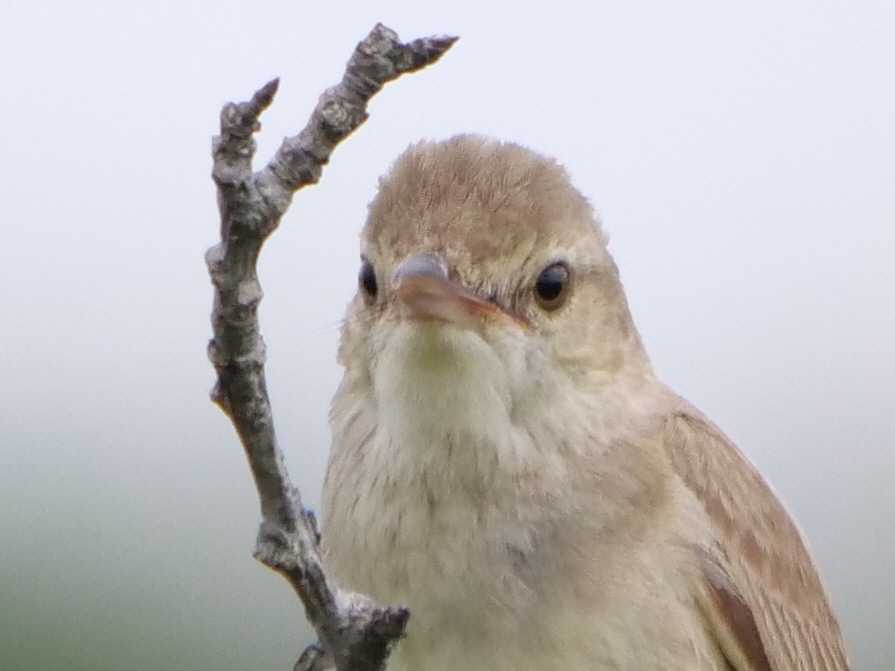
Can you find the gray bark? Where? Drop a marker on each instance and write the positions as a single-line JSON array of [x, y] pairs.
[[355, 634]]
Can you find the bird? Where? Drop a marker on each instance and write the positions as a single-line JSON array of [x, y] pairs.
[[506, 462]]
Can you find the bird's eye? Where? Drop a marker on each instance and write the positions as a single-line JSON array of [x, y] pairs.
[[366, 279], [552, 286]]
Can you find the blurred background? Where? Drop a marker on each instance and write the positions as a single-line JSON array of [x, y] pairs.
[[741, 156]]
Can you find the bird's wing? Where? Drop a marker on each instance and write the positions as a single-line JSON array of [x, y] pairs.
[[762, 595]]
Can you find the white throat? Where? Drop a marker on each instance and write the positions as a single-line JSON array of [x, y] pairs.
[[431, 452], [444, 401]]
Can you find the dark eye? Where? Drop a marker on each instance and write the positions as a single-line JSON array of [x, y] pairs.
[[366, 279], [552, 286]]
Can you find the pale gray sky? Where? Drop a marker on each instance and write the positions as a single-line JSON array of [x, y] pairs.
[[741, 156]]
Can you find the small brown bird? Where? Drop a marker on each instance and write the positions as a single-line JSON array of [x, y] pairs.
[[506, 463]]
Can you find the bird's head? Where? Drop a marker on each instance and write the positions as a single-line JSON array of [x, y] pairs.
[[484, 276]]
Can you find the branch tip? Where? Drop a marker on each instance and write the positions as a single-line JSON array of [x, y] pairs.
[[425, 51], [264, 96], [439, 44], [392, 621]]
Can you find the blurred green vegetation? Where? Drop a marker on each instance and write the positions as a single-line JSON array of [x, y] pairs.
[[76, 622]]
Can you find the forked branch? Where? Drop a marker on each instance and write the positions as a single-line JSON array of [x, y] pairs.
[[355, 634]]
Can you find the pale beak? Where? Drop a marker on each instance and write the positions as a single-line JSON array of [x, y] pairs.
[[424, 290]]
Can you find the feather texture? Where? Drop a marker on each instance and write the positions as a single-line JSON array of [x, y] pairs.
[[539, 499], [763, 565]]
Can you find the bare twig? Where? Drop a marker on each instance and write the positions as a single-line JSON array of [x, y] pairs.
[[355, 633]]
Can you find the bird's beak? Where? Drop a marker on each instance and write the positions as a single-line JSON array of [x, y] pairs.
[[424, 290]]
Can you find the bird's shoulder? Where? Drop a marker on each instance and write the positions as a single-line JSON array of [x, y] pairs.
[[761, 592]]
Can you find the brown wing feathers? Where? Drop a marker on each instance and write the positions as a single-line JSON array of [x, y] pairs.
[[768, 585]]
